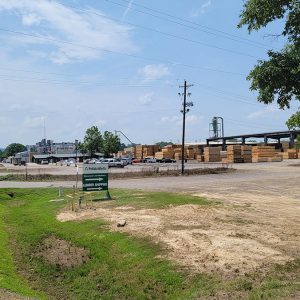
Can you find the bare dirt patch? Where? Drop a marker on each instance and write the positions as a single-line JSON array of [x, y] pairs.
[[61, 253], [202, 239]]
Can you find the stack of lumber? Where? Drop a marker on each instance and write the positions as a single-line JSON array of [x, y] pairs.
[[234, 154], [142, 151], [212, 154], [247, 153], [263, 154], [290, 154], [177, 153], [191, 152], [285, 146], [223, 155], [200, 158], [166, 152], [127, 152]]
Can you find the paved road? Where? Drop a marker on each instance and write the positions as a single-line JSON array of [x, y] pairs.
[[268, 176]]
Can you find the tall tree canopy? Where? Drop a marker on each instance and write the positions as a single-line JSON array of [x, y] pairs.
[[111, 143], [276, 79], [14, 148], [92, 142]]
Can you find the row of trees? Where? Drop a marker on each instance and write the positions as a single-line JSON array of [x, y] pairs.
[[106, 143]]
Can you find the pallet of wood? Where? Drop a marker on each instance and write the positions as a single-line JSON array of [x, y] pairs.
[[234, 154], [247, 153], [290, 154], [212, 154], [263, 153]]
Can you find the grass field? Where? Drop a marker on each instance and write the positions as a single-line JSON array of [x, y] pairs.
[[120, 266]]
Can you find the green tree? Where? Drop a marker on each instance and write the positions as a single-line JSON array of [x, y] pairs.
[[293, 123], [163, 144], [14, 148], [111, 143], [93, 141], [278, 78]]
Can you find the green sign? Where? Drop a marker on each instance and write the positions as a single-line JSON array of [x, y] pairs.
[[95, 177]]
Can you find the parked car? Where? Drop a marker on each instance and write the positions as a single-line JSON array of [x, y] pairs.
[[166, 160], [71, 162], [127, 161], [44, 162], [137, 161], [150, 159]]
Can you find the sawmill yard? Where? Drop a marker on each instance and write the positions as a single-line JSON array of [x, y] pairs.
[[218, 236]]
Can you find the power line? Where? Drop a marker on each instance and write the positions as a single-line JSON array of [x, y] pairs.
[[167, 34], [219, 32], [119, 53]]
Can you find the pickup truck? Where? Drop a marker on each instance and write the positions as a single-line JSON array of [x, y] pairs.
[[113, 163]]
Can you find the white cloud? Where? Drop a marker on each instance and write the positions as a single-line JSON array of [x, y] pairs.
[[86, 35], [264, 112], [146, 99], [31, 19], [202, 10], [153, 72]]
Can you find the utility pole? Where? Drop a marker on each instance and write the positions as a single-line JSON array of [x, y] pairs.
[[184, 110]]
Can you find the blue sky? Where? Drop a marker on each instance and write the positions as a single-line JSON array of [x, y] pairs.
[[118, 64]]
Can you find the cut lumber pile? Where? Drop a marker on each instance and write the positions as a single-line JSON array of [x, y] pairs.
[[212, 154], [223, 155], [247, 153], [264, 154], [145, 151], [166, 152], [191, 153], [290, 154], [234, 154], [200, 158]]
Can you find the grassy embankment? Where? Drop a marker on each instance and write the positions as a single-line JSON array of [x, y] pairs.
[[121, 267]]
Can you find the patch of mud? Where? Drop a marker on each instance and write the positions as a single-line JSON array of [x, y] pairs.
[[226, 240], [61, 253]]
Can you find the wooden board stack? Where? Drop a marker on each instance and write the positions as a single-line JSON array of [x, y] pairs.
[[290, 154], [166, 152], [191, 152], [177, 153], [247, 153], [234, 154], [223, 155], [212, 154], [143, 151], [264, 154], [200, 158]]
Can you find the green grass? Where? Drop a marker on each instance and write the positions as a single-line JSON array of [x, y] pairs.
[[140, 199], [121, 267]]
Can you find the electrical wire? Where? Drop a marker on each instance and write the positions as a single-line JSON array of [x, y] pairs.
[[120, 53], [219, 32], [167, 34]]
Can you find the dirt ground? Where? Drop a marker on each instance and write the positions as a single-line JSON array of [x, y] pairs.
[[255, 226]]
